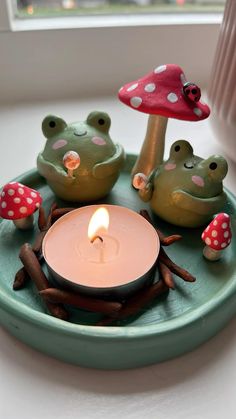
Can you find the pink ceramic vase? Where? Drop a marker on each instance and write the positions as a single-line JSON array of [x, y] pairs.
[[222, 89]]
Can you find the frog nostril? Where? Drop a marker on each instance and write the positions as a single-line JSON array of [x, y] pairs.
[[213, 166]]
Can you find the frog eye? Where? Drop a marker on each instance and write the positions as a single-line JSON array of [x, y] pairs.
[[53, 125], [99, 120], [213, 166], [181, 150]]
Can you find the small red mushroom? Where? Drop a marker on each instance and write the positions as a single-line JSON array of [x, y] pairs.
[[217, 236], [18, 203], [162, 94]]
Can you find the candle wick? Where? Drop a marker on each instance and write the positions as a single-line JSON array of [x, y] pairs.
[[95, 238]]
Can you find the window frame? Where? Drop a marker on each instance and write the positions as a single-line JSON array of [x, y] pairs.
[[137, 39]]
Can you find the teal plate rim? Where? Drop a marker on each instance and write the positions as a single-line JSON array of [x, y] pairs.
[[20, 309]]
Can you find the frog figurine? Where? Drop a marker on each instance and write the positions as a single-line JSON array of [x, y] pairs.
[[186, 190], [98, 159]]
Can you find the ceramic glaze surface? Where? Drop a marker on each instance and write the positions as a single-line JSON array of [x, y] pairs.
[[171, 326], [99, 160], [187, 190]]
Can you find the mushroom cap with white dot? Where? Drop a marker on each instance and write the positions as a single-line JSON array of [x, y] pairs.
[[167, 99], [19, 201]]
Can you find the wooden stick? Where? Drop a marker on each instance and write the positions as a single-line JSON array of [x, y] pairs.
[[182, 273], [166, 274], [42, 221], [20, 279], [59, 212], [165, 241], [135, 304], [34, 270], [55, 295]]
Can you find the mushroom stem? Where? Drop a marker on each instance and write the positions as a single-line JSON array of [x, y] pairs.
[[152, 150], [211, 254], [24, 223]]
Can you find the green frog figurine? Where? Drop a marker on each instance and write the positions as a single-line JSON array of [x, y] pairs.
[[80, 161], [186, 190]]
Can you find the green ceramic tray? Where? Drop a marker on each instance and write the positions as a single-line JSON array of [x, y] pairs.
[[172, 326]]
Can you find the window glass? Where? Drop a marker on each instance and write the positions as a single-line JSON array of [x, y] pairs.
[[53, 8]]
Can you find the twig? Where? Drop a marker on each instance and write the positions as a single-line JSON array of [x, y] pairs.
[[134, 304], [58, 212], [165, 241], [34, 270], [55, 295], [166, 274], [20, 279], [42, 221], [182, 273]]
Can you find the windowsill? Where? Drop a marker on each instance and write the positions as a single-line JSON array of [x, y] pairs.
[[114, 21]]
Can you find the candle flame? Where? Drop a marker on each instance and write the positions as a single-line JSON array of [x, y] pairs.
[[99, 223]]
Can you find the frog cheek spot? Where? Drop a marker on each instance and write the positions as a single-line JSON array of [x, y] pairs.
[[59, 144], [170, 166], [98, 141], [198, 180]]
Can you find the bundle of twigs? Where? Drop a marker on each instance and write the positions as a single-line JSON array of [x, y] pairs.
[[55, 299]]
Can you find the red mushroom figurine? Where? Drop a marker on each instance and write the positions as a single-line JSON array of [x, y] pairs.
[[217, 236], [18, 203], [164, 93]]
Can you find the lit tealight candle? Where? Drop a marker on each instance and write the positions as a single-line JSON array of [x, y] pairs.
[[105, 252]]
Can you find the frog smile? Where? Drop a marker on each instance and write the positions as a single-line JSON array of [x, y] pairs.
[[80, 134]]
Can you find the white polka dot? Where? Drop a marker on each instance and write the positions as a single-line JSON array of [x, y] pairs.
[[215, 222], [172, 97], [214, 233], [224, 225], [21, 191], [183, 78], [11, 192], [135, 101], [10, 213], [223, 245], [29, 200], [17, 200], [150, 87], [197, 112], [226, 234], [215, 242], [23, 210], [208, 241], [12, 183], [3, 193], [160, 69], [207, 228], [33, 194], [37, 205], [3, 204], [132, 87]]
